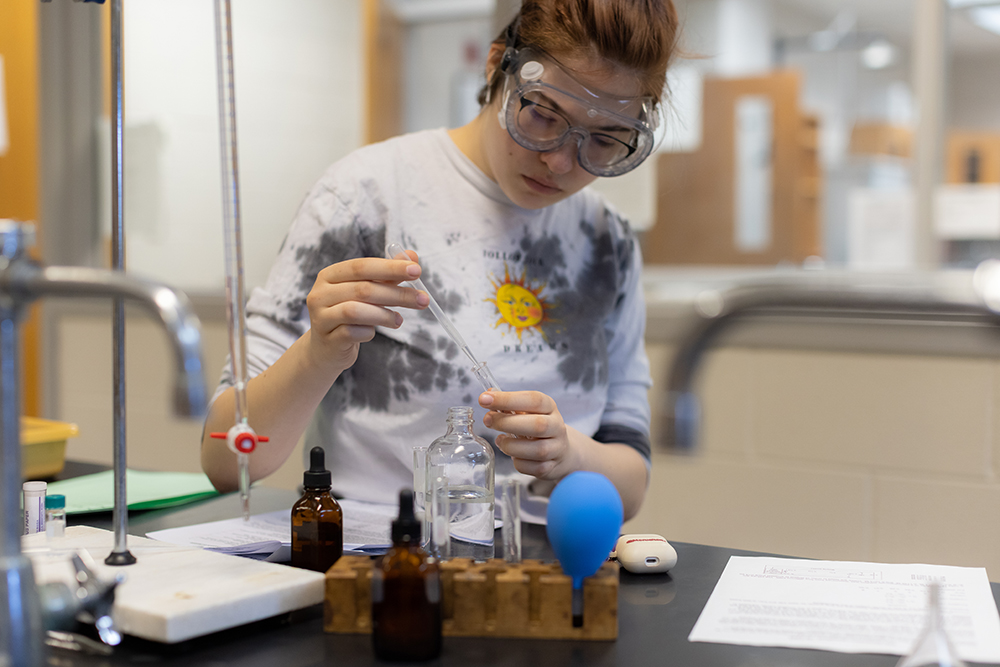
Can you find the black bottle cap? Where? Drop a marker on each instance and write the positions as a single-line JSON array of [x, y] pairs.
[[317, 476], [406, 528]]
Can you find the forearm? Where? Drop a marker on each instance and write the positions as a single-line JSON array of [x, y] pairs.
[[622, 464], [280, 403]]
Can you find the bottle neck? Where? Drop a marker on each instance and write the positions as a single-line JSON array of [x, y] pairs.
[[460, 426]]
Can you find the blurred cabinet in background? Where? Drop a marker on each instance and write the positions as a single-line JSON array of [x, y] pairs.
[[972, 157], [750, 194], [383, 84], [881, 139], [19, 159]]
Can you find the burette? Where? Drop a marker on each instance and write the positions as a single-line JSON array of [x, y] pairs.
[[241, 438]]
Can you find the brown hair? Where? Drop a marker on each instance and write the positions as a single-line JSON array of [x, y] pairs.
[[638, 34]]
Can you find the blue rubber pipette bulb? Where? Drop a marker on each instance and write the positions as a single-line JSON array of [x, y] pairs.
[[583, 521]]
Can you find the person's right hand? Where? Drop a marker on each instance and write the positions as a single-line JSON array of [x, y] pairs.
[[350, 298]]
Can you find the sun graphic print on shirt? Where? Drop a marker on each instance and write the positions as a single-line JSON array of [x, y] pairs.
[[520, 305]]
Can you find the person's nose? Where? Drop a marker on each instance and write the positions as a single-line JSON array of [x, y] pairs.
[[562, 159]]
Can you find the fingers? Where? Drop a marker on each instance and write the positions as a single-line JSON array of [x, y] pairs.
[[518, 401], [360, 291], [352, 313], [546, 449], [393, 271], [325, 294], [529, 414], [531, 457]]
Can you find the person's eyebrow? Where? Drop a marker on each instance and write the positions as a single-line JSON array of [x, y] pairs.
[[555, 106]]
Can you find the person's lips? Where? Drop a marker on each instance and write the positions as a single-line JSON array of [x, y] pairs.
[[541, 186]]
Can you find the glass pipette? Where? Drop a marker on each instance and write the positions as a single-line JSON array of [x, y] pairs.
[[479, 369]]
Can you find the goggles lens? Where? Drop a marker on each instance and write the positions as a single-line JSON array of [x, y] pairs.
[[612, 135], [542, 124]]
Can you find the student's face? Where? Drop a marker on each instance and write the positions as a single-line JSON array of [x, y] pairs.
[[533, 179]]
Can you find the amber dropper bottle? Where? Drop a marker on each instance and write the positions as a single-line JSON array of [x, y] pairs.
[[406, 594], [317, 520]]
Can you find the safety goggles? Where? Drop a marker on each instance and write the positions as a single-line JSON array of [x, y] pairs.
[[544, 107]]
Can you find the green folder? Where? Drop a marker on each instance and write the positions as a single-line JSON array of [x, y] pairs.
[[145, 490]]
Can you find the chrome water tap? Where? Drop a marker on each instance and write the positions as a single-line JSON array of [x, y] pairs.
[[22, 280], [932, 297]]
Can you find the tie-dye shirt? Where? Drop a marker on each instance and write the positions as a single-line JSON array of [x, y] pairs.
[[550, 298]]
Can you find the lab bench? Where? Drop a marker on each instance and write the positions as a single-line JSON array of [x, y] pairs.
[[656, 614]]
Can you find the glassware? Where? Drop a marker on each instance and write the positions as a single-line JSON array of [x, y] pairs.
[[466, 463], [317, 520], [55, 515], [933, 647], [438, 517], [510, 512], [420, 488], [406, 594]]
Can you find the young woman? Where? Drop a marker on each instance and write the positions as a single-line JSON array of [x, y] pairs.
[[541, 276]]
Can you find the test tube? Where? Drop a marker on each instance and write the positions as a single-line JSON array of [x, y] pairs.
[[420, 493], [440, 544], [510, 513]]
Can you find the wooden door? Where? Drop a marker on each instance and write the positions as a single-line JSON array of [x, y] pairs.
[[696, 199]]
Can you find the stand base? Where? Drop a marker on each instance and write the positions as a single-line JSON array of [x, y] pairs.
[[120, 558]]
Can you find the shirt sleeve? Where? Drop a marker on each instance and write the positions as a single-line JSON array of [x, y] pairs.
[[626, 414]]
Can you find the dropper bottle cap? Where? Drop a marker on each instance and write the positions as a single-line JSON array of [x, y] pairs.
[[406, 528], [317, 476]]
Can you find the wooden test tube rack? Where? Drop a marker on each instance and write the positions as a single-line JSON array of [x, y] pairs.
[[492, 599]]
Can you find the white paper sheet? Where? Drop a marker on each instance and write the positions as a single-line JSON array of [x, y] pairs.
[[848, 607], [366, 527]]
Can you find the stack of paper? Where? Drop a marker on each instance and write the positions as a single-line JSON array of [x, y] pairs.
[[269, 536], [145, 490], [849, 607]]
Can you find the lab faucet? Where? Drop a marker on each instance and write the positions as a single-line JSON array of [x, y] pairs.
[[29, 611], [925, 297]]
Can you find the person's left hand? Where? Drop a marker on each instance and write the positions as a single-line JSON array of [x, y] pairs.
[[533, 432]]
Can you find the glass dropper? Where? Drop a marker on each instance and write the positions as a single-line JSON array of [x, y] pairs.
[[479, 369]]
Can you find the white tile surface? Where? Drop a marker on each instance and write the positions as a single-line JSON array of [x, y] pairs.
[[176, 593]]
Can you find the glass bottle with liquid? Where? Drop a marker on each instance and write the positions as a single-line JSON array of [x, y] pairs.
[[466, 464], [406, 594], [317, 520]]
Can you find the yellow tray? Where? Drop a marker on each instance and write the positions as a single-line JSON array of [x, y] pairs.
[[43, 446]]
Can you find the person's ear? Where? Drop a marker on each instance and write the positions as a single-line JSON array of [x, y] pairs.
[[493, 59]]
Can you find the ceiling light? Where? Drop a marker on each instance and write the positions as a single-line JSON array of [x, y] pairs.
[[959, 4], [987, 18], [879, 54]]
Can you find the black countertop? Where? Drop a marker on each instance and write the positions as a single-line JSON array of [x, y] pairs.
[[656, 614]]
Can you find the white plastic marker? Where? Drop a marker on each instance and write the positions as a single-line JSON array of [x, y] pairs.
[[480, 369]]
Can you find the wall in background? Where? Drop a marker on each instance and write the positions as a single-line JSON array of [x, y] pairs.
[[974, 102], [835, 455], [298, 88]]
